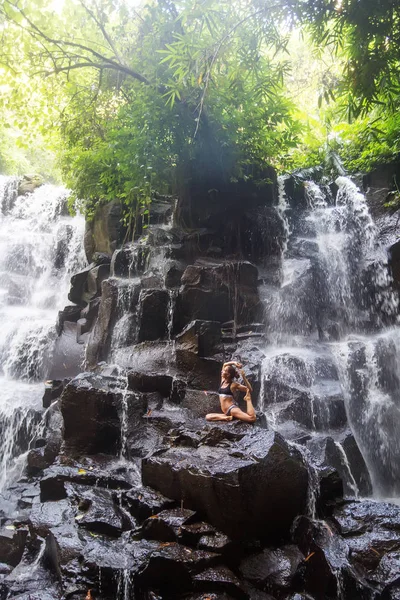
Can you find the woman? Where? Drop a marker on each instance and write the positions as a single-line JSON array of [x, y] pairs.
[[227, 388]]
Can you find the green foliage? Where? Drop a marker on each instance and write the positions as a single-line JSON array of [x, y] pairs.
[[144, 97]]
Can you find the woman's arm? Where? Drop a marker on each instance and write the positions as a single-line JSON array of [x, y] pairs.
[[233, 363], [246, 381]]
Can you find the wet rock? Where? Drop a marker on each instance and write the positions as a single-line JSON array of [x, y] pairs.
[[330, 490], [388, 574], [105, 232], [153, 311], [168, 417], [330, 453], [53, 390], [98, 426], [218, 291], [327, 571], [98, 512], [357, 464], [165, 526], [144, 502], [372, 530], [191, 533], [43, 455], [199, 373], [257, 466], [273, 570], [220, 579], [219, 543], [54, 479], [130, 261], [69, 313], [152, 281], [12, 544], [46, 515], [28, 184], [150, 382], [173, 275], [86, 284], [172, 566], [203, 338], [201, 402]]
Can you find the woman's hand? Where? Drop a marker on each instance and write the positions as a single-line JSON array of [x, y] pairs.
[[239, 365]]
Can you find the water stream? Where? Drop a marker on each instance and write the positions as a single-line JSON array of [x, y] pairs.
[[40, 249], [334, 352]]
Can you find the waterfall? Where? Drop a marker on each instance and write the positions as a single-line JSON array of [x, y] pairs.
[[40, 248], [334, 356]]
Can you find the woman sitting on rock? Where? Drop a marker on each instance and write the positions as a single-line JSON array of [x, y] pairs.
[[228, 386]]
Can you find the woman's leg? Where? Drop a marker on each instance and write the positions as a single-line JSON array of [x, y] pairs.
[[218, 417], [250, 415]]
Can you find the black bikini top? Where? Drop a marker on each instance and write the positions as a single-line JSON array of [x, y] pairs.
[[225, 391]]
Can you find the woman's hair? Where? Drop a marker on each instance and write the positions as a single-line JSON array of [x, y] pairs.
[[232, 372]]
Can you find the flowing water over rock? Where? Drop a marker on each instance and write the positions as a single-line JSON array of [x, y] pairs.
[[334, 356], [40, 248], [140, 497]]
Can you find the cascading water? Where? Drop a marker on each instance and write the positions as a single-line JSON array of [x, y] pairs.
[[334, 356], [40, 249]]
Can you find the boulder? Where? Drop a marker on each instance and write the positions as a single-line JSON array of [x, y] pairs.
[[28, 184], [153, 314], [218, 291], [86, 284], [45, 516], [12, 544], [327, 572], [165, 526], [174, 274], [229, 482], [130, 261], [220, 579], [97, 511], [103, 405], [149, 382], [272, 569], [69, 313], [201, 337], [105, 232], [144, 502], [201, 402], [54, 481], [100, 339], [199, 373]]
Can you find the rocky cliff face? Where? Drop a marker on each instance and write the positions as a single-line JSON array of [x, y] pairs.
[[129, 493]]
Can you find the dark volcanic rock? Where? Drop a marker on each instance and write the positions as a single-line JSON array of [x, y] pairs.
[[218, 291], [144, 502], [153, 311], [220, 579], [230, 483], [98, 512], [201, 402], [86, 284], [201, 337], [105, 231], [100, 403], [12, 544], [272, 569], [100, 338], [165, 526], [199, 373], [97, 429], [150, 382]]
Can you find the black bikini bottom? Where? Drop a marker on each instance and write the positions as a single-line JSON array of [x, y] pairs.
[[230, 408]]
